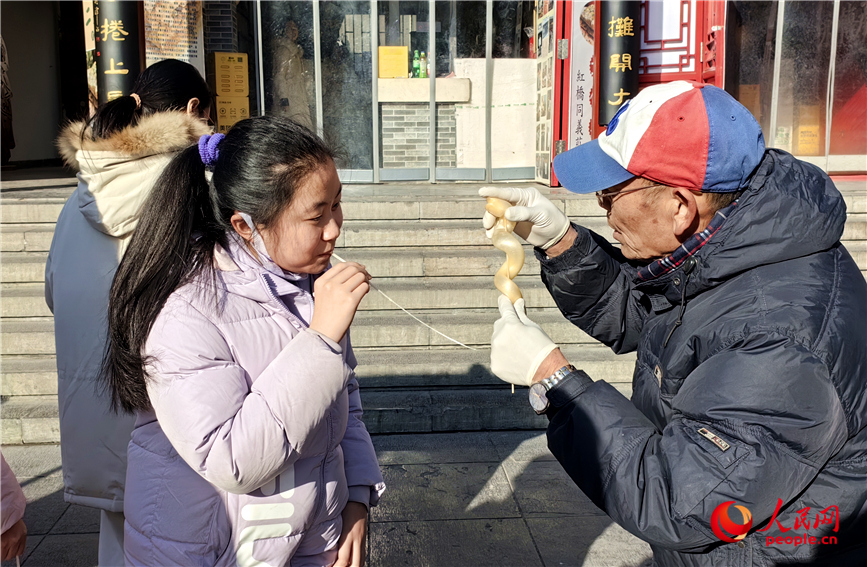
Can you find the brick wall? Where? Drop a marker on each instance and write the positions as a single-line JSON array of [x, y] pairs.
[[405, 135], [221, 23]]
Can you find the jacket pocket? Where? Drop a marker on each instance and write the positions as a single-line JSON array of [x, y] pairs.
[[706, 458], [179, 514]]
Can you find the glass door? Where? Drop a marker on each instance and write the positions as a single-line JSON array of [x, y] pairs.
[[799, 67], [403, 91]]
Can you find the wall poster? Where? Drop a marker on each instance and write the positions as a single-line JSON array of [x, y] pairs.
[[545, 18], [174, 30]]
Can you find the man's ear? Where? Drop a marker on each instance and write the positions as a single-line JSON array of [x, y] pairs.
[[241, 227], [686, 218]]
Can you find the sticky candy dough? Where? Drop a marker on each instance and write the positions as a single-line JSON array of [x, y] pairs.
[[503, 239]]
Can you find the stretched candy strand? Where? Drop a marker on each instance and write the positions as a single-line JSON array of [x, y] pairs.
[[407, 312]]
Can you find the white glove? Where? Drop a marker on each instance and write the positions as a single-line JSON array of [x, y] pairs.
[[540, 222], [518, 345]]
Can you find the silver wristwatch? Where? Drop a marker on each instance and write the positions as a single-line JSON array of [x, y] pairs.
[[539, 390]]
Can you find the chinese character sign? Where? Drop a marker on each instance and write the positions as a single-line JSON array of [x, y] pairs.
[[581, 96], [118, 52], [619, 50]]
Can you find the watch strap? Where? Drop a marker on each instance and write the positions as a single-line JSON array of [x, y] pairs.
[[557, 377]]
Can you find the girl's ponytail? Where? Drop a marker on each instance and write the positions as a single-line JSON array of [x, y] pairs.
[[173, 241], [166, 85], [113, 116]]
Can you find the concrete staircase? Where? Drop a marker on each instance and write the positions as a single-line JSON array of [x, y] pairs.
[[425, 247]]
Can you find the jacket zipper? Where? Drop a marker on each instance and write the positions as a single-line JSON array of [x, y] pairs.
[[282, 306], [320, 501], [322, 496], [688, 265]]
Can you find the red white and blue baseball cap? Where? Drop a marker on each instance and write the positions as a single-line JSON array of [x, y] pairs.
[[681, 134]]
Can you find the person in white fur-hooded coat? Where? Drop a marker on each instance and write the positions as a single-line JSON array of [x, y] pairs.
[[119, 154]]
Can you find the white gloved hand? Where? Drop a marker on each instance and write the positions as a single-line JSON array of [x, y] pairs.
[[518, 345], [540, 222]]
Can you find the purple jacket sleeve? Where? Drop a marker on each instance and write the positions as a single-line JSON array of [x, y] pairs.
[[235, 435], [363, 475], [12, 501]]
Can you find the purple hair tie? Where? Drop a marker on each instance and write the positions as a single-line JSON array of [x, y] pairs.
[[208, 148]]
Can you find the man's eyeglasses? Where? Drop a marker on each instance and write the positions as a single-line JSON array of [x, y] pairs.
[[607, 196]]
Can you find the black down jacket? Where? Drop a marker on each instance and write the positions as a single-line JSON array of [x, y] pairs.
[[759, 397]]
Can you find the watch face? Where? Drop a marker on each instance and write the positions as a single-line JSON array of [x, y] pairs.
[[538, 399]]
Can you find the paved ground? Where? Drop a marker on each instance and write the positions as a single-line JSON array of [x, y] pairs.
[[497, 499]]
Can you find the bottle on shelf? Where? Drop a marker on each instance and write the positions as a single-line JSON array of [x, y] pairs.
[[416, 65], [423, 66]]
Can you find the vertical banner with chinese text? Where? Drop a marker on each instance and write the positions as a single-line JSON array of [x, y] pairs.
[[118, 54], [581, 97], [619, 50]]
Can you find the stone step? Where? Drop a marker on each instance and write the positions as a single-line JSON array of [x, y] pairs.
[[465, 292], [30, 420], [24, 375], [443, 233], [371, 329], [23, 267], [404, 391], [456, 367], [27, 336], [23, 300], [34, 419], [27, 211], [360, 206], [449, 233], [855, 229], [473, 327], [28, 299], [26, 237], [485, 409], [409, 261]]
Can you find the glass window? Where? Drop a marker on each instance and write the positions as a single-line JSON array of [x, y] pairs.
[[461, 94], [803, 84], [514, 94], [347, 114], [288, 61], [849, 122], [404, 102], [750, 41]]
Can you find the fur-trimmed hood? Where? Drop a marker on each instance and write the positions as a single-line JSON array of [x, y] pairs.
[[158, 133], [116, 174]]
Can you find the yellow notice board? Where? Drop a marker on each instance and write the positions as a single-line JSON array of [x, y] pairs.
[[393, 62], [227, 74], [809, 135]]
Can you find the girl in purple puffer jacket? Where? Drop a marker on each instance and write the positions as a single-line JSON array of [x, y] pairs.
[[248, 447]]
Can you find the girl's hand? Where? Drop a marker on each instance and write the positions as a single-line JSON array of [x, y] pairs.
[[351, 546], [15, 540], [338, 293]]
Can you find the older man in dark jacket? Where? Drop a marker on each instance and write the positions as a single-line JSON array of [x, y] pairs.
[[745, 442]]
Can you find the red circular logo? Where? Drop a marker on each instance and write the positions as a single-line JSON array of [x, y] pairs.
[[722, 524]]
